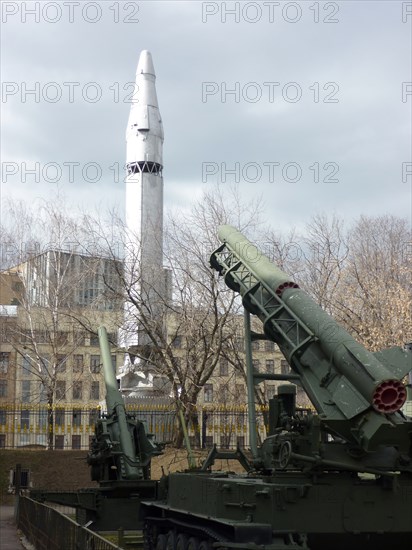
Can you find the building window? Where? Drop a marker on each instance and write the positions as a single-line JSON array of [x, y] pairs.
[[239, 344], [223, 367], [79, 338], [25, 391], [2, 441], [78, 363], [112, 337], [61, 389], [269, 345], [45, 362], [24, 419], [95, 391], [59, 441], [94, 340], [208, 393], [3, 417], [76, 441], [284, 366], [62, 338], [27, 365], [77, 417], [114, 361], [4, 361], [256, 364], [59, 415], [95, 364], [61, 363], [3, 388], [42, 393], [270, 366], [77, 390], [177, 342], [255, 345]]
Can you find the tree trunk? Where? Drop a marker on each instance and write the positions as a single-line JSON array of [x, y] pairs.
[[50, 426], [194, 421], [191, 418]]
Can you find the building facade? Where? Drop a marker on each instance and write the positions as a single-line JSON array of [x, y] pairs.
[[51, 382]]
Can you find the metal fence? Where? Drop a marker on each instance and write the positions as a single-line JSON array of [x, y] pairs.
[[226, 426], [73, 427], [47, 528]]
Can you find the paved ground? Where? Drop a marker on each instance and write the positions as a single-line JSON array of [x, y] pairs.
[[9, 539]]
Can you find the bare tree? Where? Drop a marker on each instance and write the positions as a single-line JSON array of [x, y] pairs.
[[187, 331], [361, 274], [324, 251], [375, 298]]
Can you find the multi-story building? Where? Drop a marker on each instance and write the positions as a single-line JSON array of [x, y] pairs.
[[8, 361], [68, 278], [51, 384]]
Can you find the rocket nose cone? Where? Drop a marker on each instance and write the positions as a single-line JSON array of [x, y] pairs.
[[145, 64]]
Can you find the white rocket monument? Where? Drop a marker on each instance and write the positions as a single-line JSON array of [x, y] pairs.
[[145, 275]]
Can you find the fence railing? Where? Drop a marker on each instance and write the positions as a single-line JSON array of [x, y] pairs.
[[72, 427], [47, 528]]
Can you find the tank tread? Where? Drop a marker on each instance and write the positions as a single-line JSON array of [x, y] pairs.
[[198, 530], [214, 539]]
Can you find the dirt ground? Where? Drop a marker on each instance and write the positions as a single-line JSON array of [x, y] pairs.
[[175, 460], [68, 470]]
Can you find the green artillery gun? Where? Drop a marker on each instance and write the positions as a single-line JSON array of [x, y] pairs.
[[339, 478], [121, 450], [120, 458]]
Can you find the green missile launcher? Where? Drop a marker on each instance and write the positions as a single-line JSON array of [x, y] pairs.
[[358, 395]]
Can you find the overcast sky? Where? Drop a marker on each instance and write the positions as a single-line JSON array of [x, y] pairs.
[[319, 118]]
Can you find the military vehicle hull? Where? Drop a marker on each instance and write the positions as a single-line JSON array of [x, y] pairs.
[[291, 510]]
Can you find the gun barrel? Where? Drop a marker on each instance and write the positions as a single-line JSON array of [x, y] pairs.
[[115, 406], [113, 395]]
